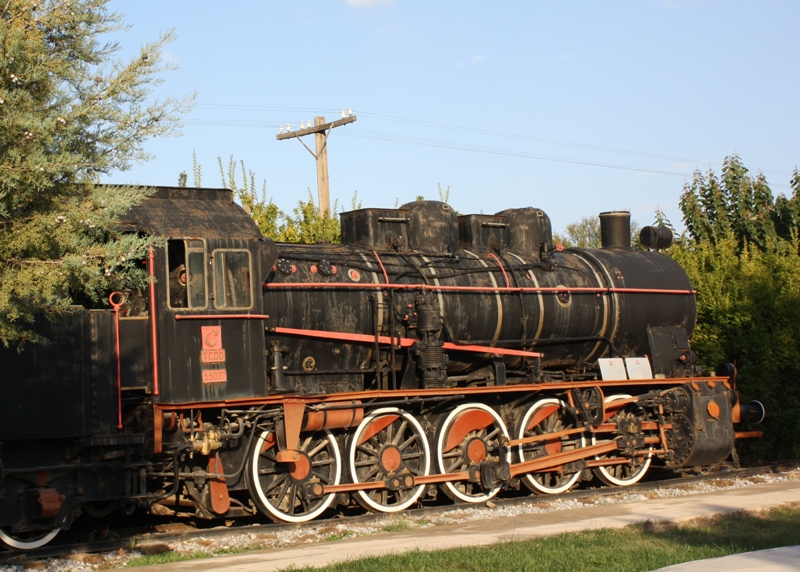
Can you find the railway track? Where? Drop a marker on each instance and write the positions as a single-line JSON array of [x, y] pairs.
[[177, 531]]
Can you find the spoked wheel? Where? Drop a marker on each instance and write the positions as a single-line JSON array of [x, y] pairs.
[[279, 489], [543, 417], [27, 540], [388, 443], [628, 473], [469, 435]]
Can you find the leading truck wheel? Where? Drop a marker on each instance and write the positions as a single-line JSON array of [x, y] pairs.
[[471, 434], [544, 417], [27, 540], [280, 490], [628, 473]]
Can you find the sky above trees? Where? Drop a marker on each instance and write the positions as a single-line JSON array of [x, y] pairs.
[[571, 107]]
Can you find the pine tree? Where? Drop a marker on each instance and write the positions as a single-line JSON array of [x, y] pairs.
[[70, 113]]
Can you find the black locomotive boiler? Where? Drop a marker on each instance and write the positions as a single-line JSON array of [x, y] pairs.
[[427, 353]]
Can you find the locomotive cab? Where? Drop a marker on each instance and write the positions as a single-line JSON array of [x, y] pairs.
[[208, 332]]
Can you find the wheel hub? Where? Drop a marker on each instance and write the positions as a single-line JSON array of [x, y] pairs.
[[390, 459], [476, 450], [300, 470], [553, 446]]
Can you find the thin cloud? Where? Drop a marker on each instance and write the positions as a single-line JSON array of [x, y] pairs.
[[677, 4], [367, 3], [564, 57], [475, 60], [170, 57]]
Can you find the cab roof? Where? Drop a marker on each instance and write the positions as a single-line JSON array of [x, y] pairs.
[[191, 212]]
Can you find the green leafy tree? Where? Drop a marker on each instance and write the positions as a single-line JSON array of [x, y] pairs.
[[662, 220], [444, 192], [740, 250], [748, 313], [70, 113], [264, 211], [305, 224], [738, 203], [586, 234]]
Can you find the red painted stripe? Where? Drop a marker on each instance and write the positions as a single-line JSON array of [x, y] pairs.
[[221, 316], [380, 262], [361, 338], [506, 290], [403, 342], [500, 264]]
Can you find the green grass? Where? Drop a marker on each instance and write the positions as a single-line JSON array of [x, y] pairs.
[[398, 526], [639, 547], [340, 535], [165, 558]]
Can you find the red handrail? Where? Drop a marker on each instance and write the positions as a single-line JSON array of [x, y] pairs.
[[117, 305], [152, 269]]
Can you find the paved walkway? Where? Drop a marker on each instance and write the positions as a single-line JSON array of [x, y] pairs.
[[775, 560], [484, 532]]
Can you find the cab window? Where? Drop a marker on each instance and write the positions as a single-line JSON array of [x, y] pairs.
[[232, 279], [186, 286]]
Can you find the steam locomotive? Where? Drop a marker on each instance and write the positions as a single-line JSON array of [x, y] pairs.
[[428, 353]]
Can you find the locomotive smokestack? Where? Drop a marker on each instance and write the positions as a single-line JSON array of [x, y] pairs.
[[615, 230]]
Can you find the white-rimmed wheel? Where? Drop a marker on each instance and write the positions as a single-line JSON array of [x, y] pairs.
[[389, 443], [627, 473], [280, 490], [471, 434], [27, 540], [548, 416]]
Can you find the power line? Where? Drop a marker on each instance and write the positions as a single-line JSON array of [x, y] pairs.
[[380, 136], [534, 139], [384, 136], [377, 135]]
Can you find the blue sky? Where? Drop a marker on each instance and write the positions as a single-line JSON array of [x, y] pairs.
[[574, 107]]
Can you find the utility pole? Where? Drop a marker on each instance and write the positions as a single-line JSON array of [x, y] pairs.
[[320, 129]]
